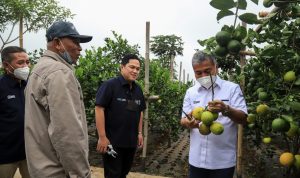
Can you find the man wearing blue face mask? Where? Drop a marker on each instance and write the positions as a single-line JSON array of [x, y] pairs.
[[15, 62], [213, 156], [56, 138]]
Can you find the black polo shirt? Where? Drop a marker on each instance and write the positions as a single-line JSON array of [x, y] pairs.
[[12, 147], [121, 121]]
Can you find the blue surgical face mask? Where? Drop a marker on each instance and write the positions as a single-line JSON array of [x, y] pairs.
[[65, 55]]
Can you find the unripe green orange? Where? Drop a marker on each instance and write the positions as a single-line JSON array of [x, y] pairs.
[[207, 117], [290, 76]]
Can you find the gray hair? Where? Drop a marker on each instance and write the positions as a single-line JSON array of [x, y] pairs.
[[201, 56]]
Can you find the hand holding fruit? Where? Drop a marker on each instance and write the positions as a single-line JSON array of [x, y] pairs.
[[189, 123], [217, 106]]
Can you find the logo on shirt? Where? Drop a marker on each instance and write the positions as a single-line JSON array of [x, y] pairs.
[[11, 96], [121, 99], [138, 102], [195, 102]]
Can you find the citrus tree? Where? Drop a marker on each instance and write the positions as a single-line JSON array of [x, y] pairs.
[[271, 76], [100, 64], [164, 115]]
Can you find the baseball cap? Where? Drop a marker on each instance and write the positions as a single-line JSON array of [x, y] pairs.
[[65, 29]]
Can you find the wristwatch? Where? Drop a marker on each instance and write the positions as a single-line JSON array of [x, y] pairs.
[[226, 111]]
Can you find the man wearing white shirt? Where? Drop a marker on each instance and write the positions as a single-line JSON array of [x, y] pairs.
[[213, 156]]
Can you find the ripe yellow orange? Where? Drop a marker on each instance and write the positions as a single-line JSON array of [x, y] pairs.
[[217, 128], [286, 159], [262, 109], [197, 112]]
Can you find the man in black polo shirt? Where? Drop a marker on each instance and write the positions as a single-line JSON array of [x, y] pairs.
[[119, 118], [15, 62]]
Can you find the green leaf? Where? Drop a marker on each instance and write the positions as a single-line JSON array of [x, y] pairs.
[[242, 4], [255, 1], [224, 13], [222, 4], [249, 18]]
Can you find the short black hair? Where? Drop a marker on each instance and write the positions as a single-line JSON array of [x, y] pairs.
[[6, 53], [127, 57]]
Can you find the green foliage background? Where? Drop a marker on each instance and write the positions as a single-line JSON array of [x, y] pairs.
[[102, 63]]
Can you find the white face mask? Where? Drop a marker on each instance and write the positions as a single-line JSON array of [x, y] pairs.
[[22, 73], [206, 81]]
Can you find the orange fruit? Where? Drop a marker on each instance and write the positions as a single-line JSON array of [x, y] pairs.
[[197, 112], [207, 118], [216, 128], [204, 129], [290, 76], [286, 159], [267, 140], [297, 162], [280, 125], [251, 118], [262, 109]]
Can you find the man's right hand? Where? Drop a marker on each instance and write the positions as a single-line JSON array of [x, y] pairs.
[[102, 144], [189, 123]]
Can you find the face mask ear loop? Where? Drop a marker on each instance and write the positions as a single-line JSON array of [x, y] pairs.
[[212, 88]]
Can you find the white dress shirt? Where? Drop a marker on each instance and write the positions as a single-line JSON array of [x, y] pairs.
[[214, 151]]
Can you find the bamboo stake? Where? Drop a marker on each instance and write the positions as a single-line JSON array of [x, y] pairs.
[[146, 119], [180, 70], [183, 81], [240, 127], [172, 67]]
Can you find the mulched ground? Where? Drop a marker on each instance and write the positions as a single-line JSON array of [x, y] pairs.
[[161, 160]]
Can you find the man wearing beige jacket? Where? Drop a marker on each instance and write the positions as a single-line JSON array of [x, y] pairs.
[[56, 139]]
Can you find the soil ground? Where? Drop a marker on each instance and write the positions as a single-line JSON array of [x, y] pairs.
[[161, 160], [172, 161]]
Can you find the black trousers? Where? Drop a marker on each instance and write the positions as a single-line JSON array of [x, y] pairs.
[[120, 166], [211, 173]]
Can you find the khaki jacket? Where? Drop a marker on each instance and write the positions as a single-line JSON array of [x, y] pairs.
[[56, 138]]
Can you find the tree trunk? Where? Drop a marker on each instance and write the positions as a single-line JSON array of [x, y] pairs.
[[21, 31]]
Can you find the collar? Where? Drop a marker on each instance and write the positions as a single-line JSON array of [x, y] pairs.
[[57, 57], [125, 82], [12, 82]]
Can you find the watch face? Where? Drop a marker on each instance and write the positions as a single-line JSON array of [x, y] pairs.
[[226, 112]]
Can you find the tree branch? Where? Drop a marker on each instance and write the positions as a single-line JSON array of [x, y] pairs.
[[247, 53], [10, 33]]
